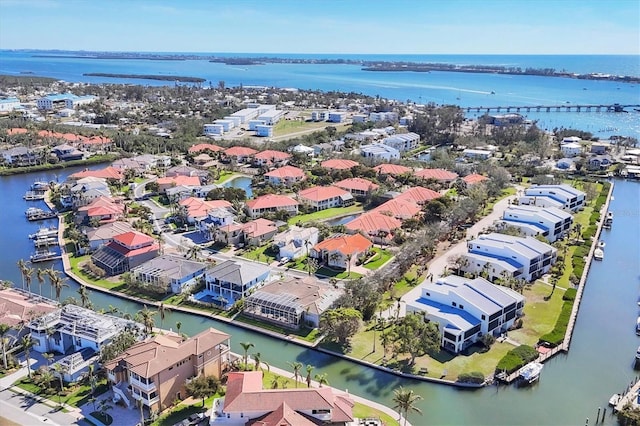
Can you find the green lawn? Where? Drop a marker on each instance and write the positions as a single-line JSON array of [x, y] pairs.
[[309, 335], [325, 214], [401, 287], [381, 257], [183, 411], [362, 411], [76, 269], [540, 315], [76, 396], [225, 175], [284, 127], [338, 274], [259, 254], [505, 193]]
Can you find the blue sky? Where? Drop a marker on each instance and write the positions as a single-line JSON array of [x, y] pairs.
[[329, 26]]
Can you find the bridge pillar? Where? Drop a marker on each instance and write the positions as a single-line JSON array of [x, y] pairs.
[[589, 109], [557, 109], [498, 109], [598, 109], [468, 109], [578, 109], [538, 109], [528, 109], [508, 109], [548, 109]]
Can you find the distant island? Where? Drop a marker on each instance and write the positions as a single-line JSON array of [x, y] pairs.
[[179, 78]]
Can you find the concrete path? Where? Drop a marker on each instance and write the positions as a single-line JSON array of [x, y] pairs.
[[7, 381]]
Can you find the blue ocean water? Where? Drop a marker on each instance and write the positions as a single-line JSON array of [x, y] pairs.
[[464, 89]]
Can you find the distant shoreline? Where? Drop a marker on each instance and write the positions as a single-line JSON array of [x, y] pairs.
[[179, 78]]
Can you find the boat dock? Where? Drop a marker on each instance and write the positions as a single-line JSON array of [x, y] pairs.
[[628, 397], [553, 108], [33, 214]]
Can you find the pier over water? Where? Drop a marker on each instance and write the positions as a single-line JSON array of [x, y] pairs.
[[557, 108]]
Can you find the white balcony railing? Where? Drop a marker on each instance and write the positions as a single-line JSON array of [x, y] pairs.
[[141, 385]]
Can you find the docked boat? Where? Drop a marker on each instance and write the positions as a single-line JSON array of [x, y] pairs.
[[598, 254], [40, 185], [34, 213], [638, 353], [33, 195], [531, 372], [43, 256], [608, 220], [45, 242], [45, 233], [601, 244], [638, 326], [615, 398]]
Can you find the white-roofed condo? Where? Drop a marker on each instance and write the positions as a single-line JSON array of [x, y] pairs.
[[550, 222], [571, 198], [467, 308]]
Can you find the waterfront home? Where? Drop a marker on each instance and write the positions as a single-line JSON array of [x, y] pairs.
[[287, 175], [101, 210], [21, 156], [338, 164], [419, 195], [271, 203], [87, 190], [169, 273], [73, 330], [379, 151], [230, 281], [246, 402], [474, 179], [377, 226], [476, 154], [403, 141], [325, 197], [571, 149], [183, 170], [258, 231], [66, 152], [295, 242], [391, 169], [204, 147], [358, 187], [442, 176], [400, 208], [17, 308], [168, 182], [568, 197], [240, 154], [549, 222], [500, 255], [154, 372], [341, 250], [125, 251], [466, 309], [108, 173], [599, 162], [198, 209], [293, 302], [104, 233], [270, 158]]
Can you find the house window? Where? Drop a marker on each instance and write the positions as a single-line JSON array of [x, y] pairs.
[[454, 304], [461, 306], [483, 317]]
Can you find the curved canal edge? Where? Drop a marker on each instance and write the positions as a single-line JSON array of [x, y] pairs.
[[564, 347]]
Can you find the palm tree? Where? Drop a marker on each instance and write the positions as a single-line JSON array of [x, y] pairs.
[[246, 346], [28, 277], [60, 370], [178, 326], [257, 359], [46, 377], [22, 265], [4, 329], [163, 310], [146, 317], [40, 276], [57, 282], [296, 370], [322, 379], [349, 257], [27, 343], [51, 274], [309, 370], [48, 356], [93, 380], [405, 400], [84, 295]]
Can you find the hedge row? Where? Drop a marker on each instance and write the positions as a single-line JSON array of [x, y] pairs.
[[590, 232], [570, 294], [556, 336], [471, 377], [516, 358]]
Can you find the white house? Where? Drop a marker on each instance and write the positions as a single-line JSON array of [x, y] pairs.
[[499, 254], [227, 125], [403, 141], [337, 116], [476, 154], [296, 241], [571, 149], [551, 222], [571, 198], [383, 116], [271, 117], [9, 104], [264, 130], [379, 150], [169, 273], [230, 281], [213, 129], [466, 309]]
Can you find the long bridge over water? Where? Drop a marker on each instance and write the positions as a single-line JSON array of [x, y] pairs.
[[555, 108]]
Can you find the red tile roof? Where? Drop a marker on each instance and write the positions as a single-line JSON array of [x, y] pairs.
[[133, 238], [398, 208], [106, 173], [282, 416], [272, 155], [320, 193], [419, 195], [474, 178], [259, 227], [16, 131], [345, 244], [240, 151], [271, 201], [391, 169], [437, 174], [358, 184], [286, 172], [179, 180], [372, 222], [338, 164], [199, 207], [16, 307], [204, 146]]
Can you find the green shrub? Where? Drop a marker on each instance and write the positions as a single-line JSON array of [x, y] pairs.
[[570, 294], [471, 377], [516, 358], [526, 352], [556, 336], [589, 232], [594, 218]]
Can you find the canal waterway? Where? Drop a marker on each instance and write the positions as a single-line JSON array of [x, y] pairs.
[[571, 388]]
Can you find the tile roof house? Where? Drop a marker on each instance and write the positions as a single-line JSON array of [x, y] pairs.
[[338, 164], [400, 208], [258, 231], [441, 175], [124, 252], [18, 307], [292, 302], [340, 250], [287, 175], [241, 154], [169, 273], [183, 170], [156, 370], [204, 147], [474, 179], [270, 157], [271, 203], [419, 195], [230, 281], [379, 227], [110, 173], [199, 208], [102, 209], [246, 399], [172, 181], [391, 169], [325, 197], [358, 187], [105, 233]]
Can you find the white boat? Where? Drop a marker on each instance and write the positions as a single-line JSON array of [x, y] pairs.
[[531, 372], [45, 233], [601, 244], [598, 254], [615, 398], [638, 326], [638, 353], [40, 186]]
